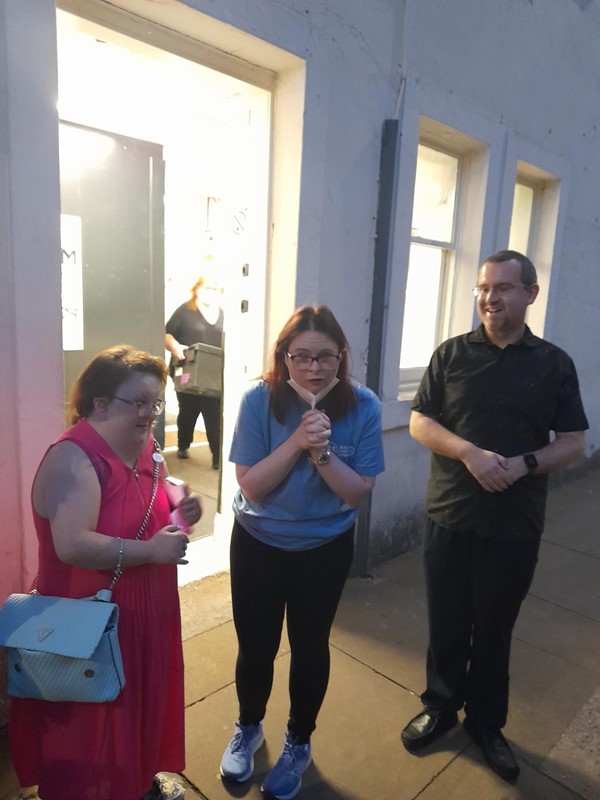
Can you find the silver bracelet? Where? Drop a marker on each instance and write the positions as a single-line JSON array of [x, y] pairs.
[[118, 569]]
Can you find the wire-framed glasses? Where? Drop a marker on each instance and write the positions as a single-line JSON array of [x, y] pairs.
[[144, 407], [499, 288]]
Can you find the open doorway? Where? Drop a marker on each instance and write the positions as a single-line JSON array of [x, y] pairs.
[[209, 133]]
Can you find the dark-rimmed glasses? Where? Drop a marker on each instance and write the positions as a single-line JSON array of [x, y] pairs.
[[326, 361]]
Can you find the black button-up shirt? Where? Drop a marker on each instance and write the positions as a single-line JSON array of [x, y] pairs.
[[505, 400]]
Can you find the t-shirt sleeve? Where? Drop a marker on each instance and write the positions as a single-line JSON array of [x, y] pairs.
[[369, 459], [249, 444]]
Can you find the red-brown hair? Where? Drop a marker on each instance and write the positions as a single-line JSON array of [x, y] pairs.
[[191, 303], [342, 398], [106, 372]]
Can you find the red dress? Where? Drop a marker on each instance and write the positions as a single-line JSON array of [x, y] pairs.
[[111, 751]]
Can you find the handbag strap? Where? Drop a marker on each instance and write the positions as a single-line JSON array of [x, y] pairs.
[[158, 459]]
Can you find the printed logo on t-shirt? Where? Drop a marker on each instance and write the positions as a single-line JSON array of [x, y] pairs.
[[343, 451]]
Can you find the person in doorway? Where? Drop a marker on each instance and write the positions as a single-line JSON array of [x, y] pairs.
[[94, 487], [307, 447], [199, 320], [486, 407]]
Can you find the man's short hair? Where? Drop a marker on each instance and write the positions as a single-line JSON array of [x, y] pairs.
[[528, 273]]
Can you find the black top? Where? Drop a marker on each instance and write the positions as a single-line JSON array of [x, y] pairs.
[[505, 400], [189, 327]]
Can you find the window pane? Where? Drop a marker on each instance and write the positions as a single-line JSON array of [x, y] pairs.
[[520, 223], [421, 307], [435, 193]]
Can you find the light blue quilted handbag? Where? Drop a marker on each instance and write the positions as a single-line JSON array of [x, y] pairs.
[[67, 649], [62, 649]]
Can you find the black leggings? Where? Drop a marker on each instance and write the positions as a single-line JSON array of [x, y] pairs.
[[266, 582], [190, 407]]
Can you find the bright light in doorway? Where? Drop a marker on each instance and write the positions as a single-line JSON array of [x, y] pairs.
[[79, 154]]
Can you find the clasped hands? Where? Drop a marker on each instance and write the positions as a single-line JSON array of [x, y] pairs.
[[492, 471], [314, 431]]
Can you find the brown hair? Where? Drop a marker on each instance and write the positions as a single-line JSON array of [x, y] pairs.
[[106, 372], [528, 273], [341, 399]]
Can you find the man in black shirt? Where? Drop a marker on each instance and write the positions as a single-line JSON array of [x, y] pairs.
[[485, 408]]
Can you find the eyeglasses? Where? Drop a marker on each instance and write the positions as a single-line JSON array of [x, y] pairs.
[[143, 407], [325, 361], [499, 288]]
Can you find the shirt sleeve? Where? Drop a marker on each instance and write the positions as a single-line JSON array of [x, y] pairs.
[[569, 414], [249, 444], [429, 399]]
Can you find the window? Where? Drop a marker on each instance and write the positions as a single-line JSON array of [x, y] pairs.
[[430, 261], [521, 223]]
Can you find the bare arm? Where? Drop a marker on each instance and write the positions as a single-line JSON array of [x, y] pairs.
[[488, 468], [344, 481], [311, 437], [176, 349], [567, 448], [66, 491], [258, 480]]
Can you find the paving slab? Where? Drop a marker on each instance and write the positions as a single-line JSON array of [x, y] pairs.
[[575, 761], [568, 578], [351, 761], [546, 694], [205, 604], [468, 778], [210, 661], [565, 633], [572, 512], [383, 623]]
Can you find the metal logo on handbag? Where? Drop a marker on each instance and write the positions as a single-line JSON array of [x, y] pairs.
[[62, 649], [67, 649]]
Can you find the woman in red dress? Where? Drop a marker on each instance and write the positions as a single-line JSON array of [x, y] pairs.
[[90, 495]]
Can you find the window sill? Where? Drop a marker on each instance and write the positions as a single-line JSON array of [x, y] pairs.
[[396, 413]]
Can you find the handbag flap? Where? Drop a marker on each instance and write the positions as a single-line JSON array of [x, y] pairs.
[[60, 625]]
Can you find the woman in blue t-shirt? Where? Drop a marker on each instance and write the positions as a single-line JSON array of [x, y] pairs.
[[307, 447]]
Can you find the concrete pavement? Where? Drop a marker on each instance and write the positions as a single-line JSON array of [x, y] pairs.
[[378, 647]]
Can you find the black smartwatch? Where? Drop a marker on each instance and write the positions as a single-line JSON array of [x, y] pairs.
[[531, 461]]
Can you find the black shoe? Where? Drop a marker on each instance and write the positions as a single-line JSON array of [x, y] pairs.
[[216, 465], [495, 749], [426, 727], [182, 453]]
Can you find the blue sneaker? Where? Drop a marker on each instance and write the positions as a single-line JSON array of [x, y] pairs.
[[285, 779], [237, 763]]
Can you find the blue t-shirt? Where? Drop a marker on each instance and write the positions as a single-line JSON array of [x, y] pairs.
[[302, 512]]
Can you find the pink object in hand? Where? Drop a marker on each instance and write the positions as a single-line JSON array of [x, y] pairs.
[[176, 493]]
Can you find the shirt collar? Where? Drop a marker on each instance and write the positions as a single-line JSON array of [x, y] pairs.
[[528, 339]]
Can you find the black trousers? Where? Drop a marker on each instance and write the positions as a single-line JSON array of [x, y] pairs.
[[307, 584], [190, 407], [475, 588]]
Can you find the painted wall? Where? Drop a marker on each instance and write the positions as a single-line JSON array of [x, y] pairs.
[[31, 394], [521, 77]]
